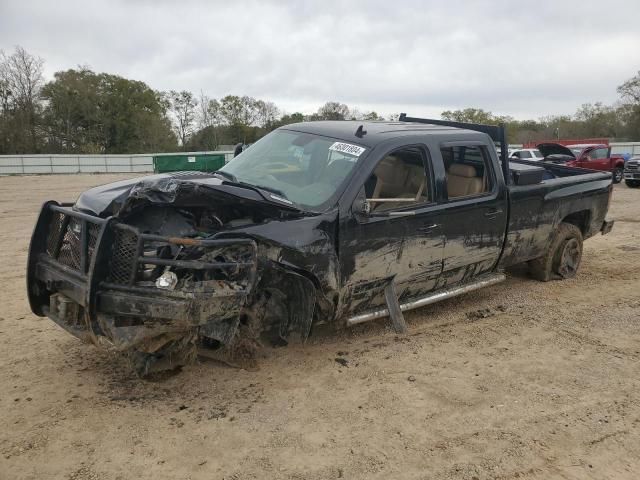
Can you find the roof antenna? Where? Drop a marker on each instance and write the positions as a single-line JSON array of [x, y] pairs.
[[361, 132]]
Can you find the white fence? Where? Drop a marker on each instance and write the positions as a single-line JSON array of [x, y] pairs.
[[632, 148], [48, 164], [143, 163]]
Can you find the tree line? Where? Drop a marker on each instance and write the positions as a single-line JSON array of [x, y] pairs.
[[81, 111]]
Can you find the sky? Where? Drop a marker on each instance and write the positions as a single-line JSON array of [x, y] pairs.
[[521, 58]]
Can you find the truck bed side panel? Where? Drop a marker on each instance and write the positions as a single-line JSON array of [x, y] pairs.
[[537, 210]]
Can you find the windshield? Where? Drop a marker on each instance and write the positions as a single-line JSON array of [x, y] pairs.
[[537, 154], [303, 168]]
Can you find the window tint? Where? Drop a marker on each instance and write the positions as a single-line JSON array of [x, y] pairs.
[[468, 171], [525, 154], [399, 180]]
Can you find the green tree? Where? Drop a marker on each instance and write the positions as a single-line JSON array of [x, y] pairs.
[[21, 81], [288, 119], [240, 113], [267, 114], [629, 111], [183, 108], [371, 116], [209, 121], [598, 120], [469, 115], [88, 112], [332, 111]]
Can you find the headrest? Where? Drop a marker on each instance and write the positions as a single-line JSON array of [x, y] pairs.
[[391, 170], [460, 170]]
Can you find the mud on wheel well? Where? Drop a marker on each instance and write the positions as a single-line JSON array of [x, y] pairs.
[[580, 219], [298, 295]]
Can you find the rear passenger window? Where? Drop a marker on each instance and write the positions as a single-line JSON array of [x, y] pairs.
[[468, 171], [399, 180]]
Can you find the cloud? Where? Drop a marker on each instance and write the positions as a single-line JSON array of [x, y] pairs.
[[526, 59]]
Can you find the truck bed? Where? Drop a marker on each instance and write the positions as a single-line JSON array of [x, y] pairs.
[[570, 194]]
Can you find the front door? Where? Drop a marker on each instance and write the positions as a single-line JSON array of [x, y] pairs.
[[596, 159], [400, 240], [476, 213]]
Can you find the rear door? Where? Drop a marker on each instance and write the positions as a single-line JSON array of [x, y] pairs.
[[400, 239], [476, 212]]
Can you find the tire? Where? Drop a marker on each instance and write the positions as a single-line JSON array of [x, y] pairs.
[[170, 357], [617, 174], [562, 258], [632, 183]]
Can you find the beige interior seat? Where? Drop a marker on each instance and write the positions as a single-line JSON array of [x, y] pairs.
[[463, 181], [390, 178], [396, 179], [416, 181]]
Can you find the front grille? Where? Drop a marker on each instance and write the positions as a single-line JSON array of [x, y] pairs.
[[55, 230], [138, 259], [69, 253], [634, 167], [65, 240], [123, 256], [93, 234]]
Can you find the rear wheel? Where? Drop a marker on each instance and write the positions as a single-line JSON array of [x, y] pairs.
[[563, 255], [617, 173], [632, 183]]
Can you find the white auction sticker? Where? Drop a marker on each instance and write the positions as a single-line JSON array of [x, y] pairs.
[[347, 148]]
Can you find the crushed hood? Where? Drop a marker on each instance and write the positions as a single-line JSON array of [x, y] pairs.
[[181, 189]]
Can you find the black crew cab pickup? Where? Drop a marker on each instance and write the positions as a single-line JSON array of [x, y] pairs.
[[318, 222]]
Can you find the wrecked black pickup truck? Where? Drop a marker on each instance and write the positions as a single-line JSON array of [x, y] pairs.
[[316, 223]]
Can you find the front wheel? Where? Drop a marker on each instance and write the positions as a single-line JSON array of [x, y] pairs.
[[617, 174], [563, 255], [632, 183]]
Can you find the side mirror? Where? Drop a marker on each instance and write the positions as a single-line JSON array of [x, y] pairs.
[[237, 150], [361, 205]]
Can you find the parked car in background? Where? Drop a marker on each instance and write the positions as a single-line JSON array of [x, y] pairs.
[[632, 172], [590, 156], [532, 154]]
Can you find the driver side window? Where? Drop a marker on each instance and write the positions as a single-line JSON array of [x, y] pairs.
[[598, 154], [399, 180]]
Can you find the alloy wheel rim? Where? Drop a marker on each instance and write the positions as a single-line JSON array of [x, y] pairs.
[[569, 258], [617, 175]]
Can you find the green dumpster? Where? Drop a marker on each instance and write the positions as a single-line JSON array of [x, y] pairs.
[[178, 162]]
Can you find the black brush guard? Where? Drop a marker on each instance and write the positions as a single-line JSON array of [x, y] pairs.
[[83, 275]]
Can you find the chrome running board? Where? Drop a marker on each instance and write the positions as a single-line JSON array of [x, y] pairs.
[[485, 281]]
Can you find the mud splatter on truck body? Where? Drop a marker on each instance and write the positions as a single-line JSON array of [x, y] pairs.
[[321, 222]]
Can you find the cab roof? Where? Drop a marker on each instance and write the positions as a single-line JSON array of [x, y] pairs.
[[376, 131]]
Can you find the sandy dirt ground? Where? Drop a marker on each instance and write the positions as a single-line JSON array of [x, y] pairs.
[[520, 380]]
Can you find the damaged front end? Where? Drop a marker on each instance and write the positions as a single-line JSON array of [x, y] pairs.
[[107, 281]]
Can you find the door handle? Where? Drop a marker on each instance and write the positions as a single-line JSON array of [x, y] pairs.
[[493, 213], [428, 228]]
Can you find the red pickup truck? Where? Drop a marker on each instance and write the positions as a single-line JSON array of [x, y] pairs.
[[591, 156]]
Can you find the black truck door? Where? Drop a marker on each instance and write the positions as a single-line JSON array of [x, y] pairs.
[[476, 212], [400, 239]]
